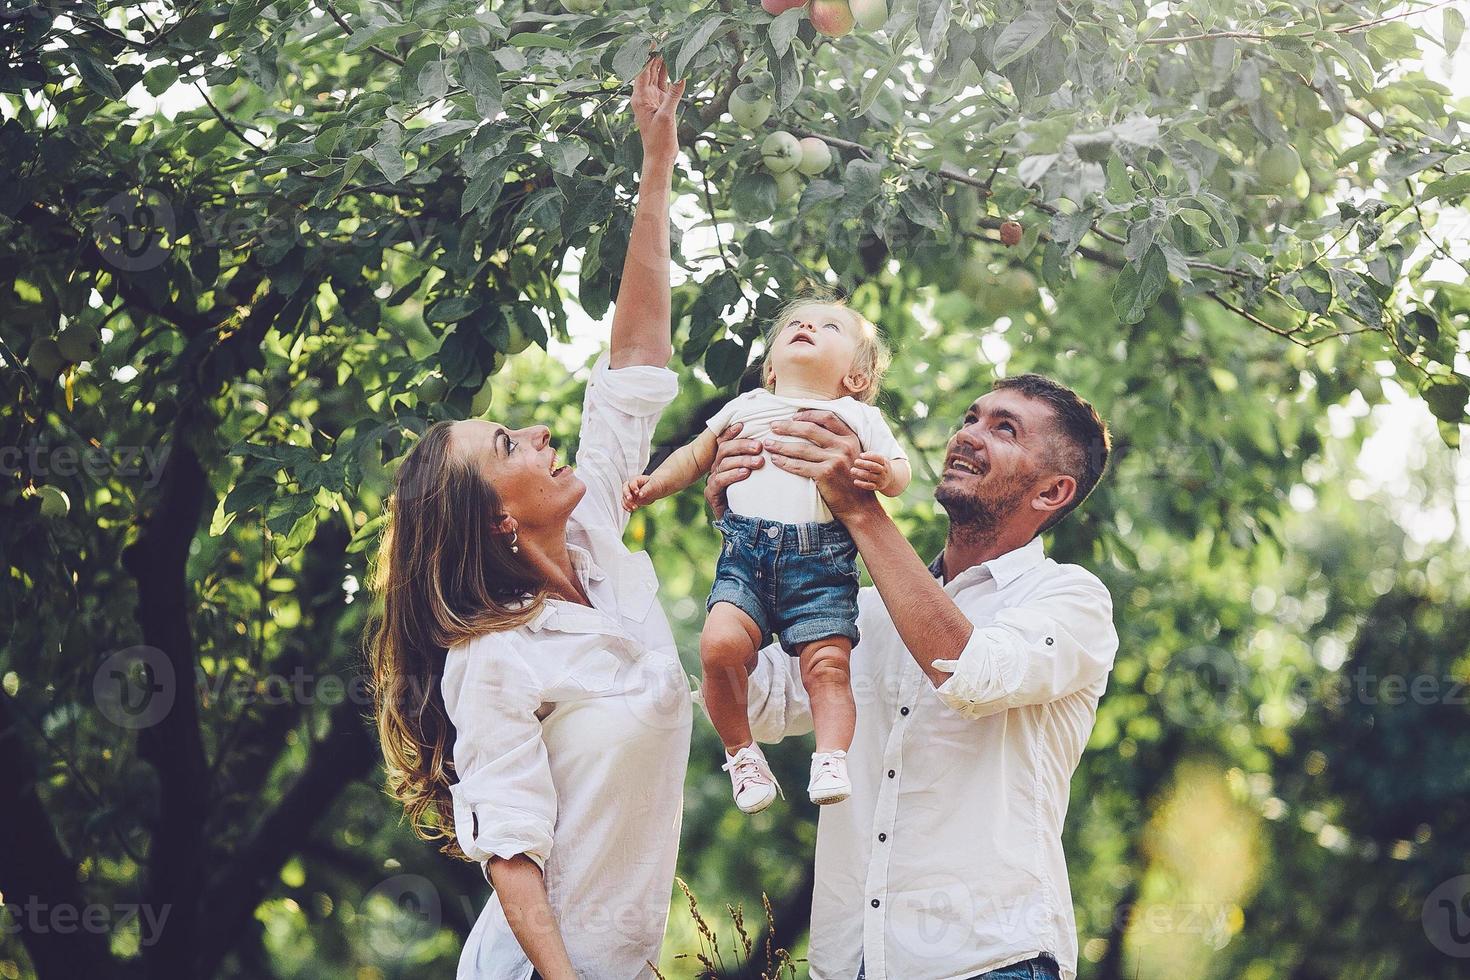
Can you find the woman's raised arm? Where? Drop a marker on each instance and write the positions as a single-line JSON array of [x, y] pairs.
[[641, 328]]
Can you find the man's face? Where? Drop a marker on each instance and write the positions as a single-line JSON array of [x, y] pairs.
[[996, 461]]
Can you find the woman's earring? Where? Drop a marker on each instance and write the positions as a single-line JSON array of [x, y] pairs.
[[515, 549]]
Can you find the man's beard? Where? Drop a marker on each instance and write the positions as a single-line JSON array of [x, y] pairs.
[[975, 514]]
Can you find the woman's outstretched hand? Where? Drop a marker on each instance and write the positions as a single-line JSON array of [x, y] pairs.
[[656, 107]]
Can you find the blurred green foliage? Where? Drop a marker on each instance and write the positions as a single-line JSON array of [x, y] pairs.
[[222, 322]]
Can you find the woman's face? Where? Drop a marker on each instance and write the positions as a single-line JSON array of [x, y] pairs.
[[521, 465]]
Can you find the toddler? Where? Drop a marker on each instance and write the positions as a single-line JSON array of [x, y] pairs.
[[786, 567]]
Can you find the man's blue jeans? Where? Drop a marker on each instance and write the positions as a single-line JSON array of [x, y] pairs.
[[1036, 968]]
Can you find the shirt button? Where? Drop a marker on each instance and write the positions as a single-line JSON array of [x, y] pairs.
[[882, 838], [876, 903], [890, 774], [903, 711], [1049, 641]]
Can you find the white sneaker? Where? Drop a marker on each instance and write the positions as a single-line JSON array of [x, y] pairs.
[[751, 779], [829, 778]]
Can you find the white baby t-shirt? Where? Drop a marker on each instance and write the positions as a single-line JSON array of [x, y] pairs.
[[772, 493]]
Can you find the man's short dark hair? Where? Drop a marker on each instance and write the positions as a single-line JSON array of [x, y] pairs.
[[1086, 443]]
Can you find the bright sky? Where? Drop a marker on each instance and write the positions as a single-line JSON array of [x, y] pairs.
[[1404, 431]]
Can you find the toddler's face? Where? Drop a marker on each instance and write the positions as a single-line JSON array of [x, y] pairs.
[[816, 348]]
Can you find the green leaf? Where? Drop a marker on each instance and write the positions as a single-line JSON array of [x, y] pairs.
[[783, 30], [1020, 36], [439, 130], [1447, 399], [451, 309], [725, 361], [479, 73], [1454, 29], [364, 38], [631, 56], [818, 191], [1451, 189], [874, 85], [788, 82], [1139, 286], [387, 153], [754, 196], [861, 181], [696, 42], [159, 79], [933, 23], [491, 177], [432, 81], [566, 154], [541, 39], [94, 74]]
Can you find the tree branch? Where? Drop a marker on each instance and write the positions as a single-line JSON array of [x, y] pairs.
[[333, 13]]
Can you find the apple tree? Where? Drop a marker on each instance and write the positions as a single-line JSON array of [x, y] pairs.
[[250, 248]]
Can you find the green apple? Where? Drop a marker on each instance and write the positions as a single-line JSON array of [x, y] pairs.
[[54, 502], [432, 389], [869, 14], [815, 156], [1278, 166], [750, 107], [788, 185], [579, 6], [79, 342], [780, 151]]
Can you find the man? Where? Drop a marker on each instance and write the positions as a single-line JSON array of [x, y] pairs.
[[977, 680]]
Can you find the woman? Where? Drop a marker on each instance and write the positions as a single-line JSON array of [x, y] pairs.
[[529, 694]]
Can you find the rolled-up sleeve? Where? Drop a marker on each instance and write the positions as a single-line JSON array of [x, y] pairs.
[[505, 801], [619, 413], [1041, 650]]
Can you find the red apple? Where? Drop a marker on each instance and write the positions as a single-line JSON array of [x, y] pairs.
[[774, 7], [831, 17]]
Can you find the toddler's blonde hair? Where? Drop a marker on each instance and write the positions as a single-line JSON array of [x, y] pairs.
[[872, 358]]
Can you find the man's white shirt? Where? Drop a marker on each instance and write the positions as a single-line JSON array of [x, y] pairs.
[[947, 860]]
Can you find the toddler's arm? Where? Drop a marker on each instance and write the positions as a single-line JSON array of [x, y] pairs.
[[683, 466], [874, 471]]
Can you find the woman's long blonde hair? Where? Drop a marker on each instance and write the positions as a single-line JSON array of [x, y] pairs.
[[443, 575]]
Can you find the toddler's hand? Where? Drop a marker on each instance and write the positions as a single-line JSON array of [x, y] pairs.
[[633, 493], [871, 471]]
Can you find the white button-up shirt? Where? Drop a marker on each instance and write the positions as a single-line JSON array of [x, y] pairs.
[[572, 731], [947, 859]]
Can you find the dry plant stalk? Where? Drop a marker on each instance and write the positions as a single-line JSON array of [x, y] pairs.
[[779, 963]]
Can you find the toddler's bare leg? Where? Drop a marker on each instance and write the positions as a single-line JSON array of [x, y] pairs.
[[727, 652], [828, 682]]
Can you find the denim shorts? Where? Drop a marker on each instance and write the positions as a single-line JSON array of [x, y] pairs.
[[799, 581]]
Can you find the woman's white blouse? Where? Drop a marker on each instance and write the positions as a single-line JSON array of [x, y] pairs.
[[572, 731]]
